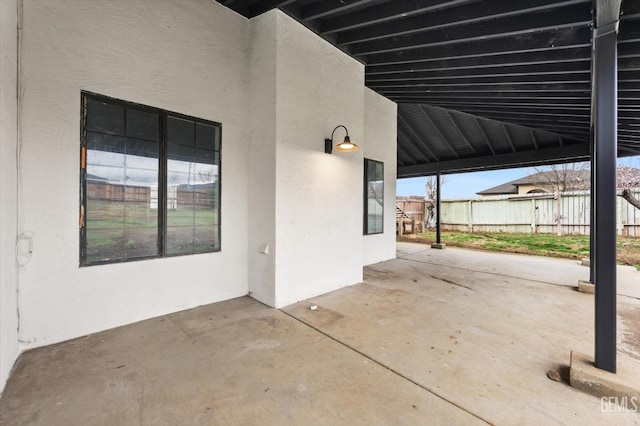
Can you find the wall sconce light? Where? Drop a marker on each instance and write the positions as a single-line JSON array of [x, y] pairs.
[[345, 145]]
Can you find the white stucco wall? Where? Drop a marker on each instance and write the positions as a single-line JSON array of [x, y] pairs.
[[319, 196], [262, 158], [381, 144], [291, 214], [8, 192], [188, 56]]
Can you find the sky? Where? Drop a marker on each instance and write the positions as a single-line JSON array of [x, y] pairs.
[[465, 185]]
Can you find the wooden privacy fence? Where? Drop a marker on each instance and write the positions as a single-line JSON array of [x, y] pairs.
[[410, 214], [532, 213]]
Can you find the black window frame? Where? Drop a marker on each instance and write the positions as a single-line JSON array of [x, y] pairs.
[[367, 164], [162, 178]]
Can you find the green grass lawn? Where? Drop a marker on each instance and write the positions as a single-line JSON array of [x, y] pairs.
[[569, 246], [131, 229]]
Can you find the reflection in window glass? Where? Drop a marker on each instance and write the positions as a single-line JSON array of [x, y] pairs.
[[373, 196], [121, 171], [192, 187], [150, 183]]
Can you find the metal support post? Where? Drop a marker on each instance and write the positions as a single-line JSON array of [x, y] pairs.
[[438, 209], [604, 93]]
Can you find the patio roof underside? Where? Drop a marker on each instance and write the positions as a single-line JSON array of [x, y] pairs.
[[480, 84]]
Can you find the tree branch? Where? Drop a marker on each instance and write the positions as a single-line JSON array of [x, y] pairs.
[[627, 195]]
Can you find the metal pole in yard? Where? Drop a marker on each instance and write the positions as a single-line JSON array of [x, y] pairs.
[[438, 209]]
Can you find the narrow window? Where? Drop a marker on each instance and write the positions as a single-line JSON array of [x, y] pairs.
[[373, 196], [150, 182]]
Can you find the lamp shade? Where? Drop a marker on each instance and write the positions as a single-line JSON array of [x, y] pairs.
[[347, 145]]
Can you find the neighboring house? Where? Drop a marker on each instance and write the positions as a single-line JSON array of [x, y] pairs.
[[534, 184]]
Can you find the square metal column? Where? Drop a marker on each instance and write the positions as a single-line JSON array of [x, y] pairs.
[[603, 161]]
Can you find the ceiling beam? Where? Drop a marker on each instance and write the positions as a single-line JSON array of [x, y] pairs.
[[416, 141], [478, 62], [460, 16], [539, 112], [506, 132], [384, 12], [262, 6], [567, 153], [459, 131], [510, 106], [565, 17], [433, 124], [537, 88], [324, 8], [525, 97], [506, 70], [574, 37], [548, 78], [484, 135]]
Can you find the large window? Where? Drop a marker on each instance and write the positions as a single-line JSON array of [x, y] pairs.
[[373, 197], [150, 182]]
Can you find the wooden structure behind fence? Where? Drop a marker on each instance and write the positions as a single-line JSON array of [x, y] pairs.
[[532, 213], [410, 211]]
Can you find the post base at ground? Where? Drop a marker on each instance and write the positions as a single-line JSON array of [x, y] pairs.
[[586, 287]]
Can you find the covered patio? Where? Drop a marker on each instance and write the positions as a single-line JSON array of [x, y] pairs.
[[423, 87], [465, 338]]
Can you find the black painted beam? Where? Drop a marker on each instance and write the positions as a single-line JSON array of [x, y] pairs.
[[566, 154], [553, 56], [484, 135], [538, 88], [385, 12], [321, 9], [262, 6], [415, 141], [504, 14], [548, 113], [437, 130], [518, 97], [540, 69], [499, 29], [561, 39], [498, 80], [524, 107]]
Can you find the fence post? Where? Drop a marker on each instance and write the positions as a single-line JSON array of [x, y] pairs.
[[533, 215]]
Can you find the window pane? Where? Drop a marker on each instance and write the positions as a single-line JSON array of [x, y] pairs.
[[180, 131], [374, 197], [205, 136], [104, 117], [121, 219], [126, 149], [192, 180], [143, 125]]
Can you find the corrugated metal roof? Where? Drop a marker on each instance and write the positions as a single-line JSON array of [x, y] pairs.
[[479, 83]]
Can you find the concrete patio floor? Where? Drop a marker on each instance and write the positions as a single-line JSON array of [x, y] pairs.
[[434, 337]]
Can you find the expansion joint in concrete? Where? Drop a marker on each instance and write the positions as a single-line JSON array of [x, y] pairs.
[[375, 361]]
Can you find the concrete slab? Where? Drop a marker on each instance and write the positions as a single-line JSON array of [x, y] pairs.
[[439, 246], [236, 362], [434, 337], [480, 338], [564, 272], [622, 386]]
